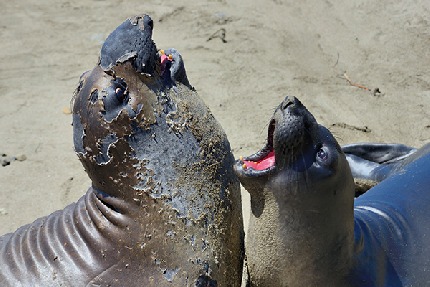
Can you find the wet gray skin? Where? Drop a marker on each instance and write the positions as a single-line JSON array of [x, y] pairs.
[[164, 207]]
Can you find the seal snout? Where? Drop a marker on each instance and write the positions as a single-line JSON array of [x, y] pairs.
[[293, 131], [131, 41], [289, 101]]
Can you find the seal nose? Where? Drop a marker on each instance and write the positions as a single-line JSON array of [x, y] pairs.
[[290, 101]]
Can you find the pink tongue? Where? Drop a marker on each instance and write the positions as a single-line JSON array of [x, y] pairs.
[[265, 163], [163, 60]]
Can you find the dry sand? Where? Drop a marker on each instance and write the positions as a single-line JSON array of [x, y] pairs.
[[271, 49]]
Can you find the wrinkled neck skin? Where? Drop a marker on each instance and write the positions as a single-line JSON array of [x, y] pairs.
[[80, 237], [310, 225]]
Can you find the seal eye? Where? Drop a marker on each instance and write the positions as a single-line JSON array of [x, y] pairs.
[[120, 88], [120, 93], [322, 154]]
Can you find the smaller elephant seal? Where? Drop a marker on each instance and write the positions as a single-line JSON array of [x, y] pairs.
[[306, 228], [164, 207]]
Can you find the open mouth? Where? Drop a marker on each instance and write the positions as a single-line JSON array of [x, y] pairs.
[[164, 59], [263, 161]]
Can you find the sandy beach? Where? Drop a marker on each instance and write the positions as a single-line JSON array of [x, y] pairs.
[[360, 67]]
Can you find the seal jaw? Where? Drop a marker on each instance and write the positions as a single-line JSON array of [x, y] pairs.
[[263, 162]]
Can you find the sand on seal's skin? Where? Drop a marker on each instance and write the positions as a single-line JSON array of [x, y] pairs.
[[271, 49]]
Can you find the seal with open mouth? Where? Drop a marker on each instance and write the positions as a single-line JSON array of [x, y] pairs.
[[164, 206], [305, 227]]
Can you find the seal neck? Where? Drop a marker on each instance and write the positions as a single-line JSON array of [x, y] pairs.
[[311, 241]]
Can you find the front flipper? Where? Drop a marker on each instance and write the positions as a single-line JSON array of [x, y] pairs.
[[371, 163], [379, 152], [375, 161]]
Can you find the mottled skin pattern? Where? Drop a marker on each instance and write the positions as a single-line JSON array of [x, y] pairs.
[[164, 206], [306, 229]]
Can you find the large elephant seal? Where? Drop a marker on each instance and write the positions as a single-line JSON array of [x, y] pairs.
[[305, 227], [164, 206]]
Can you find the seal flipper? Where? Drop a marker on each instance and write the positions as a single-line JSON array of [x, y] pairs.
[[375, 161]]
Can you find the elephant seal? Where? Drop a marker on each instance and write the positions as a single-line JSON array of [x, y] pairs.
[[306, 229], [164, 208]]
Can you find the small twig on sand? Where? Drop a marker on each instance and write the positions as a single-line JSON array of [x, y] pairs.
[[337, 60], [218, 34], [376, 92], [345, 76], [363, 129]]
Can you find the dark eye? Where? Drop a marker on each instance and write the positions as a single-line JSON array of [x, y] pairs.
[[120, 93], [120, 89], [322, 154]]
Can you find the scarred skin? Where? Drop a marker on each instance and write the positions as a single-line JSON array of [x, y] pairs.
[[306, 229], [164, 206]]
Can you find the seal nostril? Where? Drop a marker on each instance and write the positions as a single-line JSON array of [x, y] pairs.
[[286, 104]]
